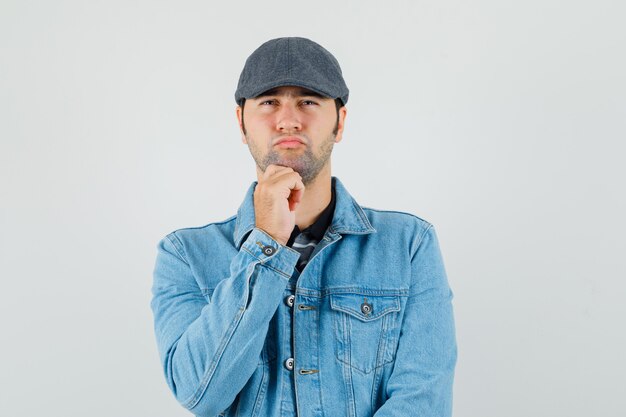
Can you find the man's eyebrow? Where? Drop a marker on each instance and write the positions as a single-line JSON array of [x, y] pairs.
[[300, 93]]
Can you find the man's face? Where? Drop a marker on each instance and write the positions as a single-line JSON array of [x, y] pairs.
[[291, 111]]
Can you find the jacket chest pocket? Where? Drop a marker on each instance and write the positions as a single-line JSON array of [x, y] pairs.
[[365, 329]]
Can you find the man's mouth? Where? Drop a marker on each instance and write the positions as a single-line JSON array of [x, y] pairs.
[[289, 142]]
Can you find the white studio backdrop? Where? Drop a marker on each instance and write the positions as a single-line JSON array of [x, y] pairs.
[[502, 123]]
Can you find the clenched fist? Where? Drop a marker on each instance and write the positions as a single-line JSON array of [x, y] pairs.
[[276, 197]]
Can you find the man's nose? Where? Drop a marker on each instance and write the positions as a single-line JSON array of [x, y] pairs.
[[288, 118]]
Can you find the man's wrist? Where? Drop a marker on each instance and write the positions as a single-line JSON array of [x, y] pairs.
[[282, 242]]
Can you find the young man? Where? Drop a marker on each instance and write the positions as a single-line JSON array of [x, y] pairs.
[[303, 303]]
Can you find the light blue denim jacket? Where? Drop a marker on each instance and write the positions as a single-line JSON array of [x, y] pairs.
[[366, 329]]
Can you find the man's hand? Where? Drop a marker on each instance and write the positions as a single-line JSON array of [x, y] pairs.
[[276, 197]]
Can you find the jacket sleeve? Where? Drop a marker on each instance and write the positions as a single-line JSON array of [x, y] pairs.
[[421, 381], [209, 349]]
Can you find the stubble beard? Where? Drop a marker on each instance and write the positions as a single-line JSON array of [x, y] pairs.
[[305, 163]]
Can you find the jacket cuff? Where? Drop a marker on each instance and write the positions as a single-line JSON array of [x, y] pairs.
[[270, 252]]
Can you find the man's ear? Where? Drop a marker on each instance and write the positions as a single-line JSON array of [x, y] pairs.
[[239, 112], [340, 123]]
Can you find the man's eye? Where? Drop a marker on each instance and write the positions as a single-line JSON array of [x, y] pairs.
[[274, 102]]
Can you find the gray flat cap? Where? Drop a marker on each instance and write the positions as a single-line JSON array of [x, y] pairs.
[[291, 61]]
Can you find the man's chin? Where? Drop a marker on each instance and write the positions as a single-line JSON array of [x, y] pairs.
[[294, 164]]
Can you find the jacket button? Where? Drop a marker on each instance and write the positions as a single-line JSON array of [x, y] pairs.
[[289, 300], [366, 308], [289, 364], [268, 250]]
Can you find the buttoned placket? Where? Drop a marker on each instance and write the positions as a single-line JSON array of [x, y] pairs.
[[289, 362], [306, 340]]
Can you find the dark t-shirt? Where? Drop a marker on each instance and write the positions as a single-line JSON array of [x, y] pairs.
[[304, 241]]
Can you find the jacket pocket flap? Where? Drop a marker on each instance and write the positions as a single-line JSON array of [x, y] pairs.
[[365, 307]]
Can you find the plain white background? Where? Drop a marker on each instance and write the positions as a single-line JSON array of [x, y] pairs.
[[502, 123]]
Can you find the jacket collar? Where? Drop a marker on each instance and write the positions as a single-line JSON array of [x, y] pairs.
[[348, 218]]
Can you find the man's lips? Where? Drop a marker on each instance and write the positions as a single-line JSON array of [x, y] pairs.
[[290, 140]]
